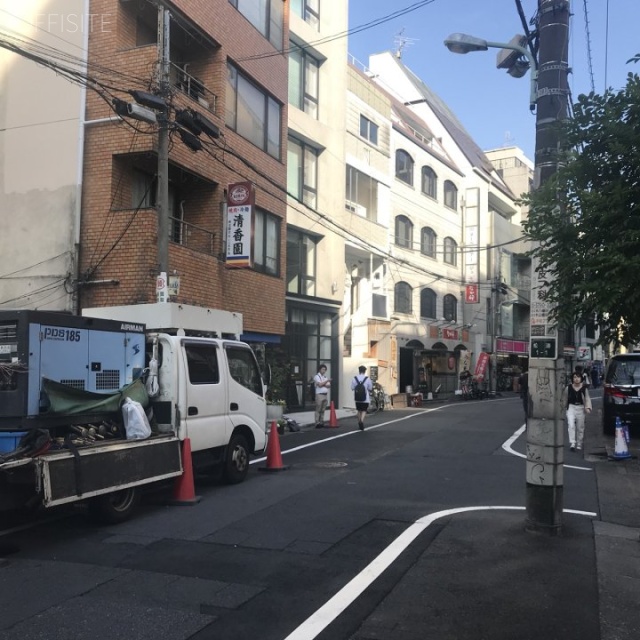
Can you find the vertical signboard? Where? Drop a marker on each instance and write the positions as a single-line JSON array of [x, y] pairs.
[[240, 203], [471, 247]]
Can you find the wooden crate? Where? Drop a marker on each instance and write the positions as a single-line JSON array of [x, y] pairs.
[[400, 400]]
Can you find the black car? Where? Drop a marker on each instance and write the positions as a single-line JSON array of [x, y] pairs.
[[621, 396]]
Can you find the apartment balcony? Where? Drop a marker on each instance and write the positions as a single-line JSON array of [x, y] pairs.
[[192, 86], [191, 236]]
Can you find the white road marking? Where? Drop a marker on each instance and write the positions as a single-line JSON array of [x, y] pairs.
[[326, 614], [506, 445]]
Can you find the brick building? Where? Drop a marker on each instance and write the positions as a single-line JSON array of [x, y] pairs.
[[239, 84]]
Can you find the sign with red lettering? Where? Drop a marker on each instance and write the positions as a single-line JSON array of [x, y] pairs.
[[481, 366], [240, 200], [471, 294]]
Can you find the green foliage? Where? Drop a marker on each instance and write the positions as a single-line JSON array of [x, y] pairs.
[[586, 218], [277, 362]]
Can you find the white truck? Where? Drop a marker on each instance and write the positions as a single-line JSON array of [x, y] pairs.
[[63, 379]]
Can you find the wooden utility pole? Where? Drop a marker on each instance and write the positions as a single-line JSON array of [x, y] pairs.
[[547, 378]]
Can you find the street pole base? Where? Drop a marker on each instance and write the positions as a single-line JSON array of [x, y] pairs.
[[544, 510]]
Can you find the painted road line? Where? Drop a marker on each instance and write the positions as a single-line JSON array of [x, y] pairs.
[[506, 445], [323, 617]]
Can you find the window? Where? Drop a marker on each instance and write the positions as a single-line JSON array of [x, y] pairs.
[[308, 10], [428, 240], [450, 195], [266, 243], [302, 172], [368, 130], [266, 16], [450, 308], [404, 166], [301, 263], [362, 194], [202, 363], [303, 81], [450, 251], [402, 298], [252, 113], [428, 300], [243, 368], [429, 182], [143, 190], [404, 232]]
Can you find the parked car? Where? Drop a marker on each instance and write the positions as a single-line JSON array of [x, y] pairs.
[[621, 397]]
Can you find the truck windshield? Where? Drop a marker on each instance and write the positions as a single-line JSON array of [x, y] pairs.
[[244, 368]]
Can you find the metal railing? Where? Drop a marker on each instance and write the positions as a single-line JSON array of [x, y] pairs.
[[193, 87], [191, 236]]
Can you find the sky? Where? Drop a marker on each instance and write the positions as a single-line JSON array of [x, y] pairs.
[[493, 106]]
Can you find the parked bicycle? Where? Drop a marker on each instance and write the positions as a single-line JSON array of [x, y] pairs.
[[472, 389], [376, 400]]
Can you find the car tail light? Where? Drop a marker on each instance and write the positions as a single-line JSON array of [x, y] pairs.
[[613, 392]]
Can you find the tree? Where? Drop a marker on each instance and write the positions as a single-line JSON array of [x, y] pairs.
[[585, 220]]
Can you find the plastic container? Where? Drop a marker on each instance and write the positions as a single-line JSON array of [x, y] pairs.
[[9, 440]]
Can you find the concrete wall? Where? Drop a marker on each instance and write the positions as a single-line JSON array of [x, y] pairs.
[[41, 117]]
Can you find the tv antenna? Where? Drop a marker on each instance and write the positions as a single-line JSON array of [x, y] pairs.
[[401, 41]]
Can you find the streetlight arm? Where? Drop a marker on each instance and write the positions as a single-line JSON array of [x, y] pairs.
[[463, 43]]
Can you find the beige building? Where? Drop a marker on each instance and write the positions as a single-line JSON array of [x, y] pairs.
[[317, 223], [41, 152], [448, 212]]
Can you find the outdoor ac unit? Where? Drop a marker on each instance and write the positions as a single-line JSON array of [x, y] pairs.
[[356, 208]]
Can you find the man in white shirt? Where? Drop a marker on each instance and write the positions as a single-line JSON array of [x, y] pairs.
[[322, 384]]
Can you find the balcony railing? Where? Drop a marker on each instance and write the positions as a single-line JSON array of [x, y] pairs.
[[192, 86], [191, 236]]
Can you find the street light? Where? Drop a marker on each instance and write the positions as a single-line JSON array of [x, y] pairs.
[[463, 43]]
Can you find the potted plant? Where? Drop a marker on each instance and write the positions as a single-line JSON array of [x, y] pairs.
[[278, 373]]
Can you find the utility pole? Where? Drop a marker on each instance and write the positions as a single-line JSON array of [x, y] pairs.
[[162, 198], [545, 430]]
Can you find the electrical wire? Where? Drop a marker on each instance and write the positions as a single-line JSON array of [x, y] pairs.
[[341, 34]]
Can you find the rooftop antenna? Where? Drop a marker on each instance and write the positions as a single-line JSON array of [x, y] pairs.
[[401, 41]]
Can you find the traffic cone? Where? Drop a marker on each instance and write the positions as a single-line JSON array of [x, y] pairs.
[[621, 451], [333, 420], [184, 493], [274, 456]]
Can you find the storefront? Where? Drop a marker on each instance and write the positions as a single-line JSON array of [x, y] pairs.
[[512, 359]]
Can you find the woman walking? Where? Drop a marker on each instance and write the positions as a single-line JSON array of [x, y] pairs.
[[578, 404]]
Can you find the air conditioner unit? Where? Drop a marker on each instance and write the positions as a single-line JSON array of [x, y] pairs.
[[356, 208]]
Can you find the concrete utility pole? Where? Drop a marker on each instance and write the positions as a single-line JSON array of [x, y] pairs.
[[162, 197], [545, 431]]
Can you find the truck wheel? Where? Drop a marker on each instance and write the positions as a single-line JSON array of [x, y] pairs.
[[116, 507], [236, 463]]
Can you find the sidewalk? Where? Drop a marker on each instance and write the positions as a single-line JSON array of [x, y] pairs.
[[616, 533]]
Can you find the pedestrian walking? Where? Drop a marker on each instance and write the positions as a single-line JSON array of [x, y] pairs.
[[322, 384], [523, 385], [578, 404], [584, 376], [362, 387]]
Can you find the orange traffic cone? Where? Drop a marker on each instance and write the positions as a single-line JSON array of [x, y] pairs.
[[274, 456], [184, 493], [333, 420]]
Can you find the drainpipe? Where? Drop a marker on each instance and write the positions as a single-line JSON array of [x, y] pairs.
[[80, 164]]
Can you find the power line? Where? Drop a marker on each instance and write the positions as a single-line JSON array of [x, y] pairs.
[[342, 34]]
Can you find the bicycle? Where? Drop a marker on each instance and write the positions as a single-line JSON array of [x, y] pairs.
[[376, 399]]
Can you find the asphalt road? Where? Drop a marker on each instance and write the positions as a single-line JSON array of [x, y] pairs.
[[367, 535]]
